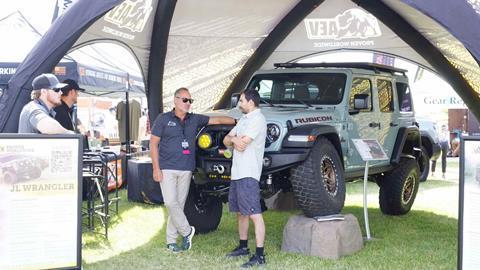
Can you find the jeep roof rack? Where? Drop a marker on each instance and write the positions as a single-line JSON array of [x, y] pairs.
[[363, 65]]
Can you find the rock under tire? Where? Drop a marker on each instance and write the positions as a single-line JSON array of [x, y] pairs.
[[203, 213], [399, 188], [315, 194]]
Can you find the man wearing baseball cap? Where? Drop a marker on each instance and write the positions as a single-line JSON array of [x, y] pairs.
[[64, 112], [37, 116]]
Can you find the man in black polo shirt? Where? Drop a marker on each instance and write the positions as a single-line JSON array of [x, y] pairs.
[[172, 149], [64, 112]]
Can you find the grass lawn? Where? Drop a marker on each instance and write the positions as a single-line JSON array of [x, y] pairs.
[[425, 238]]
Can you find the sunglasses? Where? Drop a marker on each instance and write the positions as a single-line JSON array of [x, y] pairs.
[[56, 90], [185, 100]]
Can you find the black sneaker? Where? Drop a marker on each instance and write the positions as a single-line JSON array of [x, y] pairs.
[[187, 240], [174, 248], [254, 261], [239, 252]]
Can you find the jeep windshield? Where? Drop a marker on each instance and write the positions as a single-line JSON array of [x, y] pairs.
[[300, 88]]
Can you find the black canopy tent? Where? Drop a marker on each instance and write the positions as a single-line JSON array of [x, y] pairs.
[[100, 76], [97, 81], [183, 43]]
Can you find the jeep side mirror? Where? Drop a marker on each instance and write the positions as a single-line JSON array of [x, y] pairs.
[[234, 100], [360, 101]]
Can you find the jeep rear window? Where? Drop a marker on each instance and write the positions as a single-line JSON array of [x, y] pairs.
[[315, 88], [404, 97]]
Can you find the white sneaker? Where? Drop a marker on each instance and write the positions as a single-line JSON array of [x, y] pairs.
[[187, 240]]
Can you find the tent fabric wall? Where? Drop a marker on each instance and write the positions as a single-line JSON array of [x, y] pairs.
[[207, 49], [165, 35]]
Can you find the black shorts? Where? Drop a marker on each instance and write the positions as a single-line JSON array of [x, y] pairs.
[[244, 196]]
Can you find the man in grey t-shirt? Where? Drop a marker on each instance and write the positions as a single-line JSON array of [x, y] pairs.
[[248, 140], [37, 116]]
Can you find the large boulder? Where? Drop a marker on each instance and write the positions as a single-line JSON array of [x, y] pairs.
[[326, 239]]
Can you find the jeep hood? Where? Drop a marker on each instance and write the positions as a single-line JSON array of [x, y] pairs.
[[298, 115]]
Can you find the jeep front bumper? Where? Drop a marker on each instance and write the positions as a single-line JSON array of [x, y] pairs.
[[217, 168]]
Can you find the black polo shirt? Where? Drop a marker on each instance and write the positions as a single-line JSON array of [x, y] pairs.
[[172, 133], [64, 116]]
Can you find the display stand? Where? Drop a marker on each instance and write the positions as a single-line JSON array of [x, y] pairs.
[[469, 199], [40, 201], [96, 173], [369, 150]]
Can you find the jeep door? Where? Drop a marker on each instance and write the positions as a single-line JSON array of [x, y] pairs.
[[358, 121], [387, 114], [378, 121]]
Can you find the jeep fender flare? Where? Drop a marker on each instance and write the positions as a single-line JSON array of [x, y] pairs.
[[407, 145], [316, 131], [433, 148]]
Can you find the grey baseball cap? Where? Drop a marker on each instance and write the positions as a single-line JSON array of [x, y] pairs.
[[47, 81]]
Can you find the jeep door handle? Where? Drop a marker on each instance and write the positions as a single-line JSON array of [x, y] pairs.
[[374, 125], [393, 124]]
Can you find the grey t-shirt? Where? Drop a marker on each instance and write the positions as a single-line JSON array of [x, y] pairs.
[[31, 114], [172, 133], [249, 163]]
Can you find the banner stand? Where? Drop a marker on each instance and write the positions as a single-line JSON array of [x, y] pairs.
[[369, 149]]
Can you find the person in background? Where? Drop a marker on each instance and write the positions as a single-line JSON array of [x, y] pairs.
[[64, 112], [455, 144], [172, 149], [443, 138], [248, 141], [38, 115]]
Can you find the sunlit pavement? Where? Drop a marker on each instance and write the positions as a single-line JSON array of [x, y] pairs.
[[452, 173]]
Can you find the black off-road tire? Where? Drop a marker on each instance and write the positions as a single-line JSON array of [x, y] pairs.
[[9, 178], [399, 188], [203, 212], [425, 161], [318, 193]]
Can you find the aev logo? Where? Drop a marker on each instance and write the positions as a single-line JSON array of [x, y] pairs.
[[353, 23], [131, 14]]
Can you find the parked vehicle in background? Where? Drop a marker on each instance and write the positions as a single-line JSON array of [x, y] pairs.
[[431, 149]]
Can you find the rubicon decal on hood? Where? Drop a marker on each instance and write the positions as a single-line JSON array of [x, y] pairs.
[[313, 119]]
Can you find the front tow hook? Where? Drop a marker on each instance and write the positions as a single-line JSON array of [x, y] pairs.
[[220, 169]]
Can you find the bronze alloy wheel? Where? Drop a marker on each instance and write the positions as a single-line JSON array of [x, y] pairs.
[[329, 175], [318, 182], [408, 189]]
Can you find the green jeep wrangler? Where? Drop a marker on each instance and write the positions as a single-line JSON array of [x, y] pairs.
[[313, 112]]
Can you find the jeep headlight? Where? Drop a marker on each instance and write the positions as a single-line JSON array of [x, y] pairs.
[[205, 141], [273, 133]]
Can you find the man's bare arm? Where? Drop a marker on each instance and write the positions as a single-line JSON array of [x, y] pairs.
[[49, 125], [221, 120], [239, 143], [157, 173]]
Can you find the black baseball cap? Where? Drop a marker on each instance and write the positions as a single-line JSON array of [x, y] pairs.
[[46, 81], [71, 84]]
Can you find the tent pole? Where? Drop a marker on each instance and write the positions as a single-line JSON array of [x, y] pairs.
[[127, 111]]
